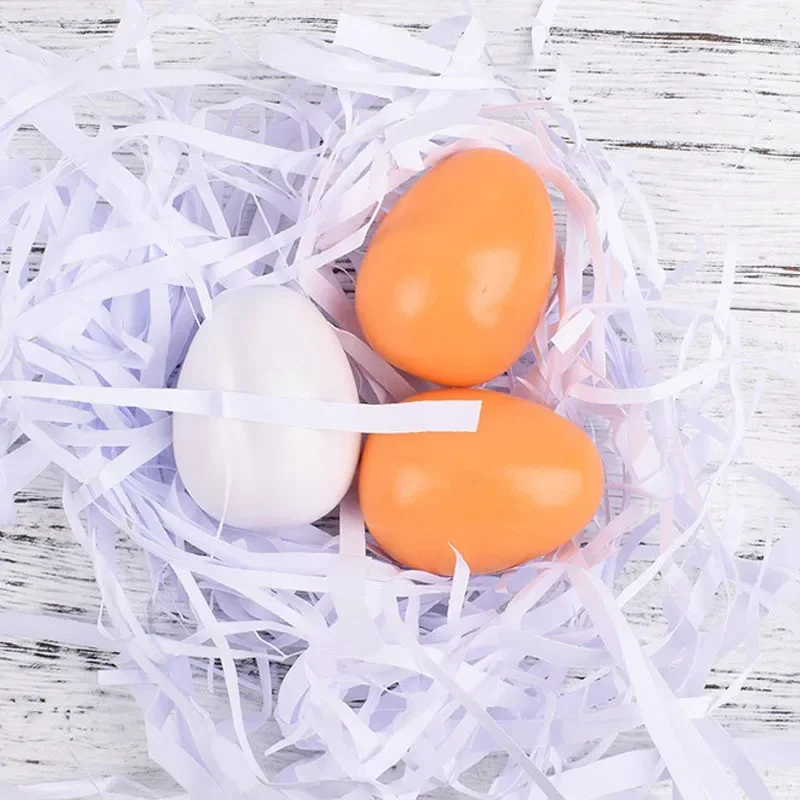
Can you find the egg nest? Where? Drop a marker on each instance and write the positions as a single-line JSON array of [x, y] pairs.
[[286, 659]]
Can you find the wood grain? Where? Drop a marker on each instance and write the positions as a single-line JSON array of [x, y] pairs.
[[704, 96]]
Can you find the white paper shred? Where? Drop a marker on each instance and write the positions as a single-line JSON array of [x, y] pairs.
[[384, 682]]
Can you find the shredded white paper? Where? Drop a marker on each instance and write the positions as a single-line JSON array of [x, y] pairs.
[[385, 683]]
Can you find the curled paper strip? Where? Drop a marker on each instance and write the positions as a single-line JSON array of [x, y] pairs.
[[417, 416], [381, 682]]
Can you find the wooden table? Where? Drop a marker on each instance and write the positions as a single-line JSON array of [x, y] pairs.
[[703, 94]]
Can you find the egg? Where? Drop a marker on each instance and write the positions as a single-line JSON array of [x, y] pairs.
[[527, 481], [273, 342], [458, 272]]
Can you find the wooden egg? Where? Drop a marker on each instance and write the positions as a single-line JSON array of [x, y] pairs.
[[458, 273], [526, 482]]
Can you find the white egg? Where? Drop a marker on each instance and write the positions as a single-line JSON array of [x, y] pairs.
[[274, 342]]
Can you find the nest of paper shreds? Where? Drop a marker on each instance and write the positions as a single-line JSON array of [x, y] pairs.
[[383, 682]]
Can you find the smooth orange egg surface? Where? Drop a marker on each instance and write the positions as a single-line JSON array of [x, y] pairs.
[[527, 481], [458, 272]]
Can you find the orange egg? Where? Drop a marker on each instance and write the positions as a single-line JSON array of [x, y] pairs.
[[527, 481], [457, 274]]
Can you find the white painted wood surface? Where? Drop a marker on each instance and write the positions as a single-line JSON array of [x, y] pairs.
[[703, 94]]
